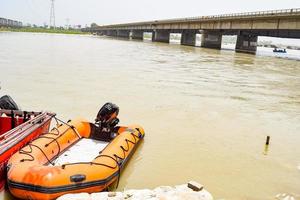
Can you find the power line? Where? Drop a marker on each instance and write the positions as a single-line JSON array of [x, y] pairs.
[[52, 15]]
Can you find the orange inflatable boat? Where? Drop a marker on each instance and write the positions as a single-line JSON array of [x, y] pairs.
[[31, 174]]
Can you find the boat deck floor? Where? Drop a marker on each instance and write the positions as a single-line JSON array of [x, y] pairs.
[[83, 151]]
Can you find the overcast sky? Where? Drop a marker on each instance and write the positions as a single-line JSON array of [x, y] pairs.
[[119, 11]]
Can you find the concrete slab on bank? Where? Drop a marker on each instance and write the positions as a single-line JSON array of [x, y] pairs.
[[190, 191]]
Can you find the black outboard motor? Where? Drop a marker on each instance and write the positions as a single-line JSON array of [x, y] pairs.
[[6, 102], [107, 115], [105, 126]]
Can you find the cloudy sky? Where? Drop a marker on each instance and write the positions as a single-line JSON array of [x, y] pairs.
[[118, 11]]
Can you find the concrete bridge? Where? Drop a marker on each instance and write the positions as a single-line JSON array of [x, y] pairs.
[[247, 27]]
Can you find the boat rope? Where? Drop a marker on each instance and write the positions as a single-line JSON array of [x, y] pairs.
[[51, 132], [49, 161], [53, 140], [95, 163], [22, 151], [46, 145], [118, 165], [28, 153], [117, 159], [59, 134], [43, 136], [71, 126]]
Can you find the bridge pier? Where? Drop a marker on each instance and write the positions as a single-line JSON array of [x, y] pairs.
[[137, 34], [112, 33], [211, 39], [101, 32], [246, 43], [161, 36], [188, 37], [123, 33]]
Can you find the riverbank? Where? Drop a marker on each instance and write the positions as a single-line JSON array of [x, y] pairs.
[[42, 30], [190, 191]]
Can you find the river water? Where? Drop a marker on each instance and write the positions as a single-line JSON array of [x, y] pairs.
[[206, 112]]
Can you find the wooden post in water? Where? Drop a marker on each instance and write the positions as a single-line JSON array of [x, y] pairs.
[[267, 145]]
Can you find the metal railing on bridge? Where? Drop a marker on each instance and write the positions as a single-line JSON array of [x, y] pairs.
[[293, 11], [256, 14]]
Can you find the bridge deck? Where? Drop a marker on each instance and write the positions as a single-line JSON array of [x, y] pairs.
[[286, 14], [247, 27]]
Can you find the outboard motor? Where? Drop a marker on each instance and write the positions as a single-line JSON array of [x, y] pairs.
[[6, 102], [106, 122], [107, 115]]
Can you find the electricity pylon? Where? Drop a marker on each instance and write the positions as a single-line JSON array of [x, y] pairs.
[[52, 15]]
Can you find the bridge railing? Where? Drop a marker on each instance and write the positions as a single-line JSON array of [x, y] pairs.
[[245, 14], [271, 13]]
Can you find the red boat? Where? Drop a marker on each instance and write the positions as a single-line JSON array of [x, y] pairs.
[[18, 128]]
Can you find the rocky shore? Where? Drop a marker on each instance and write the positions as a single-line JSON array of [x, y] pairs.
[[189, 191]]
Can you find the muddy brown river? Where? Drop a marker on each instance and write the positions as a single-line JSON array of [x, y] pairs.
[[206, 112]]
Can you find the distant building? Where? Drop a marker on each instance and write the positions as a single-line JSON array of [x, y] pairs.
[[10, 23]]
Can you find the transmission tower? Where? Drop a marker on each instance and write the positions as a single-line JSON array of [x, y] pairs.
[[52, 15]]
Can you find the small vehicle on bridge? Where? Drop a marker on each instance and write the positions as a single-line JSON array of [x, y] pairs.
[[279, 50]]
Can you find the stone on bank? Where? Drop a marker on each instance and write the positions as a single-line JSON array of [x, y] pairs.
[[190, 191]]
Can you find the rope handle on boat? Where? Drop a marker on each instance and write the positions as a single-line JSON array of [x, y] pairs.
[[118, 159], [51, 132], [58, 134], [71, 126], [123, 149], [28, 153]]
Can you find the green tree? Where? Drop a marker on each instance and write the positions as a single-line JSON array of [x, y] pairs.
[[94, 25]]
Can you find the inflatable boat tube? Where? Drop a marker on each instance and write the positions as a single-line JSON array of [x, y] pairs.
[[17, 129], [31, 174]]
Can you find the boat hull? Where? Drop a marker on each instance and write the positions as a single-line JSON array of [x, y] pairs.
[[13, 140], [31, 175]]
